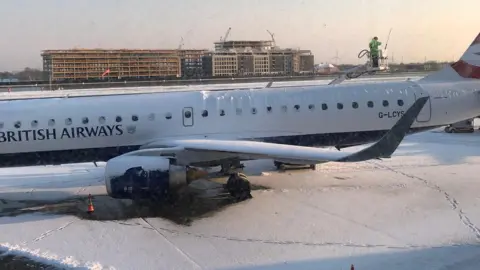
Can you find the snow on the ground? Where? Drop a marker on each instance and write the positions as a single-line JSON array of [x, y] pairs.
[[417, 210]]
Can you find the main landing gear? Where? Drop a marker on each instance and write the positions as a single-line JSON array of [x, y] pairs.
[[238, 186], [231, 167]]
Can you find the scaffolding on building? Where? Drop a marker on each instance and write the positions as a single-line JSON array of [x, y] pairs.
[[122, 64]]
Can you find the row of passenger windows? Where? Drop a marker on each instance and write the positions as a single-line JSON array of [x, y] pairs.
[[188, 114], [311, 107]]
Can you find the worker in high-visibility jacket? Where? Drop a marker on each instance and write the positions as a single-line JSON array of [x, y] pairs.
[[374, 44]]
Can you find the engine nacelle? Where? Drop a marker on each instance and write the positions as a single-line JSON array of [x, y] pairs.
[[133, 177]]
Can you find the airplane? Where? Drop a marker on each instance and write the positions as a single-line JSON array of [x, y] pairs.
[[156, 143]]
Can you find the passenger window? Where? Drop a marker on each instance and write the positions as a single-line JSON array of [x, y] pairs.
[[151, 116], [311, 107], [204, 113], [339, 106], [168, 116], [239, 111], [68, 121], [34, 123], [51, 122], [85, 120], [118, 119], [101, 119], [269, 108], [297, 107], [370, 104], [400, 102], [18, 124], [355, 105], [284, 108], [324, 106], [134, 118], [385, 103], [254, 111], [187, 114], [222, 112]]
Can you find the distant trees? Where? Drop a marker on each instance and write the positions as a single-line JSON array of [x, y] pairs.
[[28, 74]]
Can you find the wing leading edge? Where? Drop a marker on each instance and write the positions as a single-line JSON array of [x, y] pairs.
[[383, 148]]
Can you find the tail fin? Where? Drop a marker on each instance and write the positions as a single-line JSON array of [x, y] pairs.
[[468, 67]]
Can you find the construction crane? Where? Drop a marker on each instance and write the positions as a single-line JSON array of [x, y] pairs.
[[226, 36], [223, 39], [181, 44], [273, 38]]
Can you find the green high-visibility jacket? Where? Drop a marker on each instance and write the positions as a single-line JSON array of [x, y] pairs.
[[374, 47]]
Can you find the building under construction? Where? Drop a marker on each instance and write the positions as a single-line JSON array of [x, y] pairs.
[[256, 58], [121, 64], [236, 58], [191, 63]]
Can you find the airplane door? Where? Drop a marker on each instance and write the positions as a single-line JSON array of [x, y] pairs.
[[426, 113], [187, 116]]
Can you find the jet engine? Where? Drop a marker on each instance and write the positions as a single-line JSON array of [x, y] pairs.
[[140, 177]]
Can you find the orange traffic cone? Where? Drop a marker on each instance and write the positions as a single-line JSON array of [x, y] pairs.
[[90, 204], [352, 267]]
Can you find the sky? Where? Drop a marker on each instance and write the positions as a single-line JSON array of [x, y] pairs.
[[421, 29]]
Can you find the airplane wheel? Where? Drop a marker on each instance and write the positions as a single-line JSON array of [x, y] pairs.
[[313, 166], [239, 187], [280, 166]]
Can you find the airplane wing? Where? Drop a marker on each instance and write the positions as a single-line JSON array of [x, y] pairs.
[[212, 148]]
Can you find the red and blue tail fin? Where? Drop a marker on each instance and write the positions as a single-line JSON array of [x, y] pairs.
[[467, 68]]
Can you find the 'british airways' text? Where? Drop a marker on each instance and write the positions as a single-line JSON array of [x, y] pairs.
[[64, 133]]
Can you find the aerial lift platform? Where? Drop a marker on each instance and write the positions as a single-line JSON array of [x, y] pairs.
[[366, 68]]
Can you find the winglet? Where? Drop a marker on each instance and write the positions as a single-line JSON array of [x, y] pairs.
[[387, 145]]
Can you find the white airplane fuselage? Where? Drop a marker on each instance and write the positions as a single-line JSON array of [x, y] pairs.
[[80, 129]]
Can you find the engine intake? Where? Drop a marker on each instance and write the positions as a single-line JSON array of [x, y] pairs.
[[140, 177]]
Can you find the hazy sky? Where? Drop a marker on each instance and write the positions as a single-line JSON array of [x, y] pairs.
[[435, 29]]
